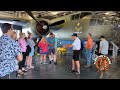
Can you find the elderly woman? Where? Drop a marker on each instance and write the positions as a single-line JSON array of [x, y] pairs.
[[22, 43]]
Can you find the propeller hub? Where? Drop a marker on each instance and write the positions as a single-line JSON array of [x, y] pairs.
[[42, 27]]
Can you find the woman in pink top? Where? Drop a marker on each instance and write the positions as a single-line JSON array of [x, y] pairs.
[[22, 43], [43, 49]]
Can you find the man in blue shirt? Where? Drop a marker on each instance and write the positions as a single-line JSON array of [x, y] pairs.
[[10, 52], [51, 49]]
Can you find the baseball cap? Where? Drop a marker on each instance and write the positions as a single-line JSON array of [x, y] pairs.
[[74, 34]]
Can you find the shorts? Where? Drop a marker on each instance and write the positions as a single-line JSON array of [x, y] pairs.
[[51, 51], [31, 53], [76, 55], [43, 52]]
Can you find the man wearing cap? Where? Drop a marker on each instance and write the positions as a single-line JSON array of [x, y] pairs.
[[10, 53], [76, 51]]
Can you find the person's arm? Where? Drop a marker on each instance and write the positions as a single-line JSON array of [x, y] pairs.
[[70, 45], [19, 57], [49, 42], [67, 45], [17, 51], [100, 48]]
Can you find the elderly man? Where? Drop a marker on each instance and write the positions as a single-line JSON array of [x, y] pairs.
[[10, 53], [76, 51], [89, 47]]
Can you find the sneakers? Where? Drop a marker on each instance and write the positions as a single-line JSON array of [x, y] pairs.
[[72, 71], [50, 62], [45, 63], [24, 70], [87, 66], [78, 73], [20, 72], [31, 67], [28, 67]]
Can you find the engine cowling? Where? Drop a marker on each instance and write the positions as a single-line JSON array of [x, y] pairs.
[[42, 28]]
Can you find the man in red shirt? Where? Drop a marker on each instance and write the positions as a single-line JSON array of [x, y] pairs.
[[89, 46]]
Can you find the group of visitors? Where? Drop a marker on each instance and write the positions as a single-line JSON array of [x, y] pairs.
[[15, 53]]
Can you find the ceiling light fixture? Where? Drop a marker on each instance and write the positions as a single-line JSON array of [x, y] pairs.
[[54, 13], [107, 13]]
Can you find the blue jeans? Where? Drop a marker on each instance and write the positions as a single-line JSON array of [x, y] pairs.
[[89, 55]]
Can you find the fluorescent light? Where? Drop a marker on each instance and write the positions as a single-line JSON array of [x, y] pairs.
[[3, 21], [107, 13], [54, 13]]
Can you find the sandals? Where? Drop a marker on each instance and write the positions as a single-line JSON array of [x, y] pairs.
[[20, 72], [24, 70]]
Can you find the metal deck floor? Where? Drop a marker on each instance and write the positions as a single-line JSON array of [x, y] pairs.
[[61, 71]]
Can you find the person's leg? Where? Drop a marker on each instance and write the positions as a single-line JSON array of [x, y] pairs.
[[49, 53], [76, 59], [89, 57], [23, 61], [54, 56], [41, 58], [45, 59], [30, 60], [27, 61], [20, 65], [73, 64], [31, 66], [78, 65], [44, 55], [20, 68]]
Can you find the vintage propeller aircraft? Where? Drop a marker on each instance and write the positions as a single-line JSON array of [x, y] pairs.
[[82, 23]]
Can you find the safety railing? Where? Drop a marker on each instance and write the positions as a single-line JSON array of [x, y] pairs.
[[115, 50]]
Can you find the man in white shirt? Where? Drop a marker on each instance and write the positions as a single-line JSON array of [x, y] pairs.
[[76, 51], [103, 50]]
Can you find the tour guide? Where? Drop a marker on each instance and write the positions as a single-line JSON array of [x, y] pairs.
[[76, 51]]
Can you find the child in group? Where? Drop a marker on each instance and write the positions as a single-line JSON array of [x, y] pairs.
[[43, 50]]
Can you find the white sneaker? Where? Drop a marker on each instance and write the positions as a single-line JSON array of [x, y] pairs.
[[24, 70], [32, 67], [28, 67], [45, 63]]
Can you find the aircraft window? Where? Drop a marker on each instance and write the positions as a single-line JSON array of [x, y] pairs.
[[77, 16], [92, 22], [100, 22], [106, 22]]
